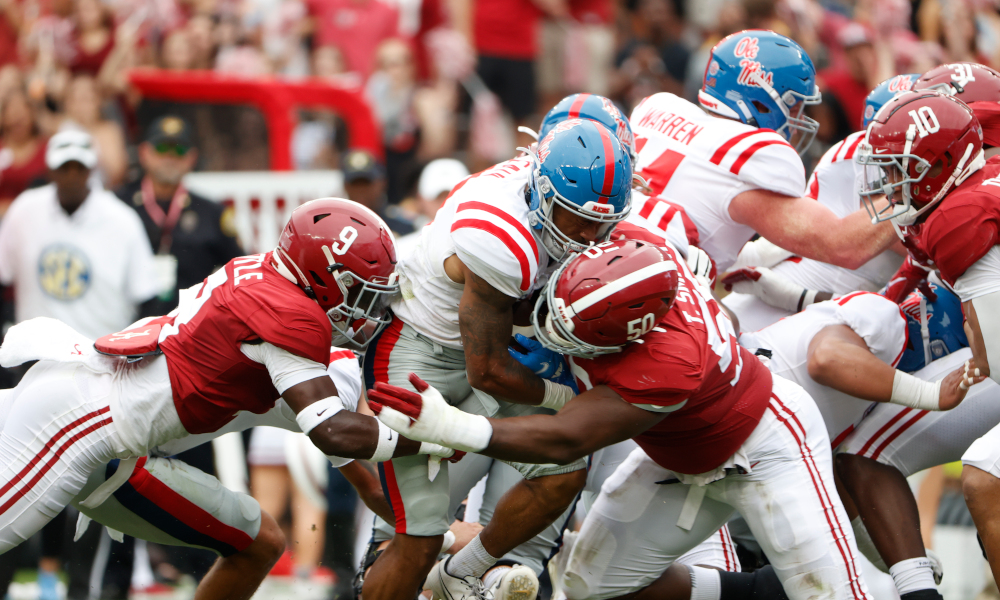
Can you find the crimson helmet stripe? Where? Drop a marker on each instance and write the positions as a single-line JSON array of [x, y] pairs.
[[493, 210], [609, 163], [502, 235], [613, 287], [749, 152], [725, 148], [577, 106]]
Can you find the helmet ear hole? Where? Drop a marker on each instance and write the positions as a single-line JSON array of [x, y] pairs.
[[316, 278], [318, 218], [761, 108]]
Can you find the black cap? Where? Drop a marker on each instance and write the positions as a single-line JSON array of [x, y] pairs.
[[169, 129], [360, 164]]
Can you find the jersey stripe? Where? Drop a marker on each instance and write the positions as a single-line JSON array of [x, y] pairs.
[[493, 210], [850, 151], [388, 476], [574, 109], [814, 187], [883, 429], [340, 354], [895, 434], [503, 236], [609, 163], [749, 152], [725, 148]]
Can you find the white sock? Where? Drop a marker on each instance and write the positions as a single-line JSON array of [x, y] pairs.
[[494, 576], [472, 560], [705, 584], [913, 574], [866, 545]]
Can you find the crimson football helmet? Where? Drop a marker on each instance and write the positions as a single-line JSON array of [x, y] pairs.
[[918, 147], [969, 82], [343, 256], [606, 296]]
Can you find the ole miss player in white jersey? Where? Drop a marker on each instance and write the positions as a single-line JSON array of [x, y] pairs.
[[257, 330], [490, 246], [716, 432], [730, 165], [765, 293]]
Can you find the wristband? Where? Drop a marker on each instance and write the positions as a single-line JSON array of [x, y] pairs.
[[387, 440], [808, 297], [449, 541], [317, 412], [556, 395], [472, 433], [907, 390]]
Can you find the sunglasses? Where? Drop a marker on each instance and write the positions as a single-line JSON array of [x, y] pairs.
[[176, 149]]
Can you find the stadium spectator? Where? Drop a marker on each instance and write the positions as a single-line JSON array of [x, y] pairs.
[[390, 91], [435, 184], [576, 54], [654, 58], [22, 147], [93, 37], [357, 27], [845, 87], [364, 183], [83, 111], [10, 24]]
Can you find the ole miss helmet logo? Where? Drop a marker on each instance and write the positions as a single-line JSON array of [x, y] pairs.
[[543, 146], [746, 50], [622, 129], [900, 83]]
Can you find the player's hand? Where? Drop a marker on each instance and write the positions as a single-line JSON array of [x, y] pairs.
[[702, 266], [956, 385], [767, 285], [543, 362], [909, 275], [427, 417], [436, 454]]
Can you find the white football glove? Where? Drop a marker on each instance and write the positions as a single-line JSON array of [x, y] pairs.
[[702, 266], [760, 253], [770, 287], [427, 417]]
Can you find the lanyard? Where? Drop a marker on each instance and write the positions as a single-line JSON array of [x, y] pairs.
[[166, 221]]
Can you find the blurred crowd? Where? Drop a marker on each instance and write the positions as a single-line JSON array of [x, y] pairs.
[[444, 78]]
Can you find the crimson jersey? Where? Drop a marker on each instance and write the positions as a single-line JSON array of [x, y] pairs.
[[963, 227], [691, 366], [246, 301]]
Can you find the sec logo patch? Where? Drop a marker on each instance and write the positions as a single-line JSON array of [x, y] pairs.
[[64, 272]]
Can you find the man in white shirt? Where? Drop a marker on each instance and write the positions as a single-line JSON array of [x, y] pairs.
[[72, 250]]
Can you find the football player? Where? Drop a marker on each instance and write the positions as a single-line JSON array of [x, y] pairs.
[[716, 432], [765, 293], [257, 330], [490, 246], [730, 164]]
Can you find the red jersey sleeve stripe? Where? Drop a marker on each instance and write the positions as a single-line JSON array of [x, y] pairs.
[[845, 299], [507, 240], [609, 163], [577, 106], [850, 152], [814, 187], [725, 148], [339, 354], [506, 217], [749, 152]]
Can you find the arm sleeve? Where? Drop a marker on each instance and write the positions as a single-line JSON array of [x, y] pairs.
[[988, 312], [981, 278], [346, 374], [774, 167], [286, 369], [503, 263], [878, 320]]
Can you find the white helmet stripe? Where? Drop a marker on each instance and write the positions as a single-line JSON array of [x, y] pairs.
[[619, 284]]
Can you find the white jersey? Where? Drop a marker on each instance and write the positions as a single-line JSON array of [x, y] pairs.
[[90, 269], [345, 372], [834, 185], [876, 319], [701, 162], [485, 223]]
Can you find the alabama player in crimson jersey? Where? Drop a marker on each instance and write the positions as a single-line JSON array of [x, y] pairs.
[[716, 432], [257, 330], [927, 152], [729, 162], [491, 245]]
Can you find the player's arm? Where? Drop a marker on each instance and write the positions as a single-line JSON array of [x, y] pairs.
[[595, 419], [982, 327], [809, 229], [361, 474], [840, 359], [340, 432], [486, 321]]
